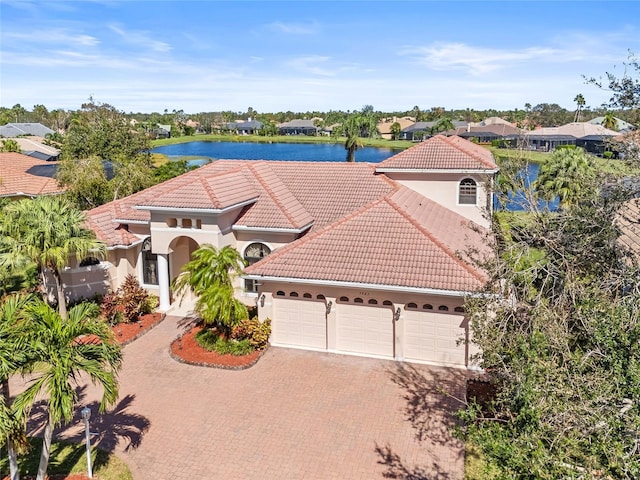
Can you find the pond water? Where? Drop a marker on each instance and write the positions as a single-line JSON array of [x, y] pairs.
[[518, 200], [315, 152]]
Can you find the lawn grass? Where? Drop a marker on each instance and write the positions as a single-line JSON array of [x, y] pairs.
[[476, 467], [68, 458]]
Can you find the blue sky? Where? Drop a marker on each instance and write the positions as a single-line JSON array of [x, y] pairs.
[[310, 55]]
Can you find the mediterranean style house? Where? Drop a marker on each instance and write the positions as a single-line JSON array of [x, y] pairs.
[[363, 259]]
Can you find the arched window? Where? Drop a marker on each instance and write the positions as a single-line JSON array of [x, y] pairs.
[[443, 308], [387, 302], [358, 300], [149, 264], [252, 254], [344, 299], [427, 306], [320, 297], [372, 301], [293, 294], [412, 305], [280, 293], [468, 192], [306, 295], [459, 309]]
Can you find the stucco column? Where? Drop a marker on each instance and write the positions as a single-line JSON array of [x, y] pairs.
[[163, 281]]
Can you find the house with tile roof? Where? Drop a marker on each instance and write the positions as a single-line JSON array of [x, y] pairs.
[[22, 176], [11, 130], [362, 259]]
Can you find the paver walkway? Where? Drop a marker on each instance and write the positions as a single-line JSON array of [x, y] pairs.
[[294, 415]]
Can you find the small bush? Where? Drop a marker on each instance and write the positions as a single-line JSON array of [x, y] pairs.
[[211, 341], [253, 330], [128, 302]]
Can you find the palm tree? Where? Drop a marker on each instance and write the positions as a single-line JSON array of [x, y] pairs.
[[395, 130], [14, 356], [610, 121], [444, 124], [47, 231], [63, 350], [210, 275], [352, 129], [580, 102], [565, 174]]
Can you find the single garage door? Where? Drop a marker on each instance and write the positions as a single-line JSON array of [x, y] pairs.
[[299, 323], [364, 329], [432, 337]]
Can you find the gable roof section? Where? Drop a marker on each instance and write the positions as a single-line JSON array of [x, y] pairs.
[[386, 243], [15, 129], [23, 175], [574, 129], [441, 153], [216, 192], [277, 207]]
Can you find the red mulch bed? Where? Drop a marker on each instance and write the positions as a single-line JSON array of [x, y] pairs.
[[185, 349], [128, 332]]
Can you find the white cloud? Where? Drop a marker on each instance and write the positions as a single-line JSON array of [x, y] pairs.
[[313, 64], [475, 60], [54, 36], [294, 28], [140, 38]]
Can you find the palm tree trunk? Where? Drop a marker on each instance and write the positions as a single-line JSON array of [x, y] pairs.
[[62, 303], [46, 451], [14, 474]]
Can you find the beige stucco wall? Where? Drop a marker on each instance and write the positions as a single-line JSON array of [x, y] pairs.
[[443, 188]]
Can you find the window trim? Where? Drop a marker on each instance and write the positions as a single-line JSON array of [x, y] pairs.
[[468, 195], [253, 291]]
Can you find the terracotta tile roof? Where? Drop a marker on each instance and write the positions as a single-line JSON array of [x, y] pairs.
[[629, 224], [214, 192], [384, 244], [442, 153], [24, 175], [100, 220]]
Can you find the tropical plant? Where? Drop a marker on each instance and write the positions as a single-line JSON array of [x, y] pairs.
[[210, 275], [14, 356], [580, 102], [47, 231], [395, 130], [352, 130], [609, 121], [63, 349], [566, 174], [443, 124], [9, 145]]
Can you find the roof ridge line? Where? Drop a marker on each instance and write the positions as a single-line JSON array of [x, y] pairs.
[[275, 198], [433, 238], [307, 238], [460, 148]]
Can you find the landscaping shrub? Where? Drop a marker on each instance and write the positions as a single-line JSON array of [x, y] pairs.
[[211, 341], [253, 330], [128, 302]]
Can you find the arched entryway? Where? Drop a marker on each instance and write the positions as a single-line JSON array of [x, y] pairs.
[[181, 248]]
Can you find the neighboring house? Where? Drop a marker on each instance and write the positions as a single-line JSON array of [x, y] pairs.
[[621, 127], [297, 127], [22, 176], [593, 138], [384, 127], [250, 127], [489, 132], [162, 131], [11, 130], [363, 259], [33, 147], [421, 130]]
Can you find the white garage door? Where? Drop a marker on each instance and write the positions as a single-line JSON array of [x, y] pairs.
[[432, 337], [364, 329], [299, 323]]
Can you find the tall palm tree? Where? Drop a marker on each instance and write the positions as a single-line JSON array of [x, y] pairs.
[[47, 231], [580, 102], [352, 129], [610, 121], [14, 356], [63, 350], [444, 124], [565, 175], [210, 275]]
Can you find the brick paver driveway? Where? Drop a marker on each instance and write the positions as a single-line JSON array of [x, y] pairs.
[[294, 415]]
